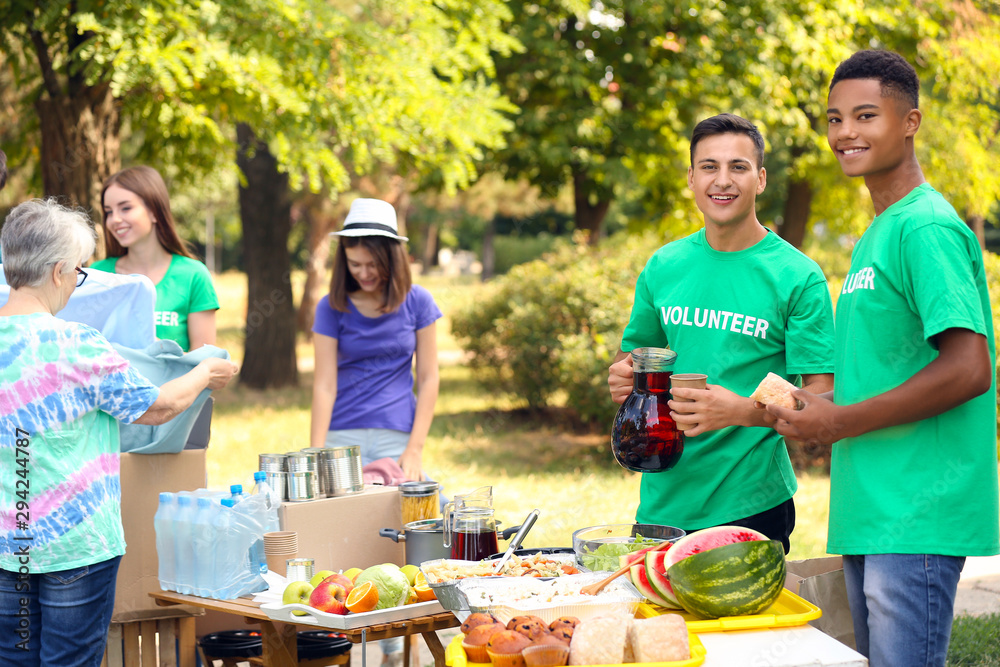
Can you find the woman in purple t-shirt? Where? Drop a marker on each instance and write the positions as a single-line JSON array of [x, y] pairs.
[[367, 332]]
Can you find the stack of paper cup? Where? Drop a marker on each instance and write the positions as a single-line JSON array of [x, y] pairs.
[[279, 547], [691, 381]]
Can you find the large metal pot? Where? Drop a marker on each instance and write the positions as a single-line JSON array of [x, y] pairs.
[[424, 539]]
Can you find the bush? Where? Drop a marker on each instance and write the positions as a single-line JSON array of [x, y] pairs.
[[555, 324], [509, 251]]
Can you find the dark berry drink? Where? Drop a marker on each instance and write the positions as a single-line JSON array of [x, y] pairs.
[[474, 545], [644, 438]]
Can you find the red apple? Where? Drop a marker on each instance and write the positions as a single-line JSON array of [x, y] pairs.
[[331, 594]]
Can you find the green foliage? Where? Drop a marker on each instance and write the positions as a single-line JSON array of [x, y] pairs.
[[334, 87], [555, 324], [509, 251], [974, 641]]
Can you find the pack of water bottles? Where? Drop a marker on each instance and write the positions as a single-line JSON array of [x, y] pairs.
[[211, 543]]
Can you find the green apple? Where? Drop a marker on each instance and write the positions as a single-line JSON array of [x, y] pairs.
[[297, 591], [320, 576], [352, 573], [411, 572]]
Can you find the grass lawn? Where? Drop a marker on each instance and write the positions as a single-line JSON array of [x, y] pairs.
[[478, 438]]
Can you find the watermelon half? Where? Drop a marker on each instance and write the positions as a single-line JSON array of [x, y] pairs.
[[732, 580], [689, 545]]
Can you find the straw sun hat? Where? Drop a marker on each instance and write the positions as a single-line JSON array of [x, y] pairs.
[[371, 217]]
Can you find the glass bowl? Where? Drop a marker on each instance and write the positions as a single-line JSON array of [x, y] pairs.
[[597, 548]]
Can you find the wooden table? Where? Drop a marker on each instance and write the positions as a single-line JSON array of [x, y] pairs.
[[280, 640]]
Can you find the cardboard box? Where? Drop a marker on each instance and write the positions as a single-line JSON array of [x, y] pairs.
[[143, 477], [821, 581], [342, 532]]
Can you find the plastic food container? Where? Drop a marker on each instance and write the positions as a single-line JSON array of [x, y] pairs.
[[507, 597], [455, 655], [592, 552]]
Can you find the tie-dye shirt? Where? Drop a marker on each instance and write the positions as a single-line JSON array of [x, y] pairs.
[[62, 386]]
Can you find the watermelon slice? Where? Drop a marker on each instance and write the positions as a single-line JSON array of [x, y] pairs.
[[639, 579], [656, 573]]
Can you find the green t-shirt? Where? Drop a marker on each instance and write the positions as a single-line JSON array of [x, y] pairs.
[[186, 288], [736, 316], [928, 486]]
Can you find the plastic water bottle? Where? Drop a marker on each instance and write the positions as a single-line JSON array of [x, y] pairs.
[[204, 543], [183, 545], [236, 491], [228, 557], [262, 488], [163, 523]]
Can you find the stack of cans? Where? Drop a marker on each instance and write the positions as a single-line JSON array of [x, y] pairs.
[[273, 465]]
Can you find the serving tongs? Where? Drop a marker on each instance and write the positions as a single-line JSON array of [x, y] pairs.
[[515, 541], [594, 589]]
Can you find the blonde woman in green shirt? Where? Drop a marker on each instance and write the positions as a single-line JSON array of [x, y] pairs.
[[141, 238]]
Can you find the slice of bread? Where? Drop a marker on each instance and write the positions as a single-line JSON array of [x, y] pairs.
[[659, 639], [776, 390]]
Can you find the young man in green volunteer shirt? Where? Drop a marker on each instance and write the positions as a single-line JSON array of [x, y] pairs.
[[736, 302], [913, 481]]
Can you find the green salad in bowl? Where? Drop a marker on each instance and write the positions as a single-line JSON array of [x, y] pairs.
[[599, 548]]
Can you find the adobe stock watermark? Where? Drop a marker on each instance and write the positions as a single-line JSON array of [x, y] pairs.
[[22, 485]]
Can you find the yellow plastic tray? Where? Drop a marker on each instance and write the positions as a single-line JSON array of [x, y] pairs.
[[788, 610], [454, 655]]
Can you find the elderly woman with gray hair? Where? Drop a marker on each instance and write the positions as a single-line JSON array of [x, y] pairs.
[[62, 386]]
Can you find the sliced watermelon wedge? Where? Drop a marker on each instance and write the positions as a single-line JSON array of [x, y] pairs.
[[637, 573], [655, 571]]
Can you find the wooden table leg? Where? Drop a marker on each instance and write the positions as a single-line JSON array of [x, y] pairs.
[[435, 646], [281, 644]]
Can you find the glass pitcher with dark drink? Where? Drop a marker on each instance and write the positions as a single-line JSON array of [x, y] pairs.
[[471, 533], [644, 438]]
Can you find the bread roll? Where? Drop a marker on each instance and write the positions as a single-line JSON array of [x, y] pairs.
[[659, 639], [600, 641], [776, 390]]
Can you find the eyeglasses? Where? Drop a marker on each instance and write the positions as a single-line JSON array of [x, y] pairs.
[[81, 276]]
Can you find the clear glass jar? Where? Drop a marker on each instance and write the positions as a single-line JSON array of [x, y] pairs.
[[644, 438], [419, 501]]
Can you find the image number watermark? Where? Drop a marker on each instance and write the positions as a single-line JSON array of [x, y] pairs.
[[22, 460]]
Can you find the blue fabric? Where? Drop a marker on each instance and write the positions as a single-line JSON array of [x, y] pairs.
[[120, 307], [59, 618], [161, 362], [902, 606]]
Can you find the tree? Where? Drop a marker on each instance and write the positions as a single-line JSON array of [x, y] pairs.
[[609, 89], [329, 87]]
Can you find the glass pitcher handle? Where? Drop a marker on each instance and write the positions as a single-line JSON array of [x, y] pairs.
[[448, 509]]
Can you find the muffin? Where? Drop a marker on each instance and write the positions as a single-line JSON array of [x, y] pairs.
[[504, 648], [563, 634], [475, 620], [476, 641], [563, 622], [512, 623], [530, 626], [546, 655], [549, 638]]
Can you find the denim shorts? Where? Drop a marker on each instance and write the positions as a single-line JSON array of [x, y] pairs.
[[375, 443], [902, 606], [57, 618]]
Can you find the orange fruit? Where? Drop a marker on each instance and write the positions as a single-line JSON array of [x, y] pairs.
[[362, 598], [424, 592]]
